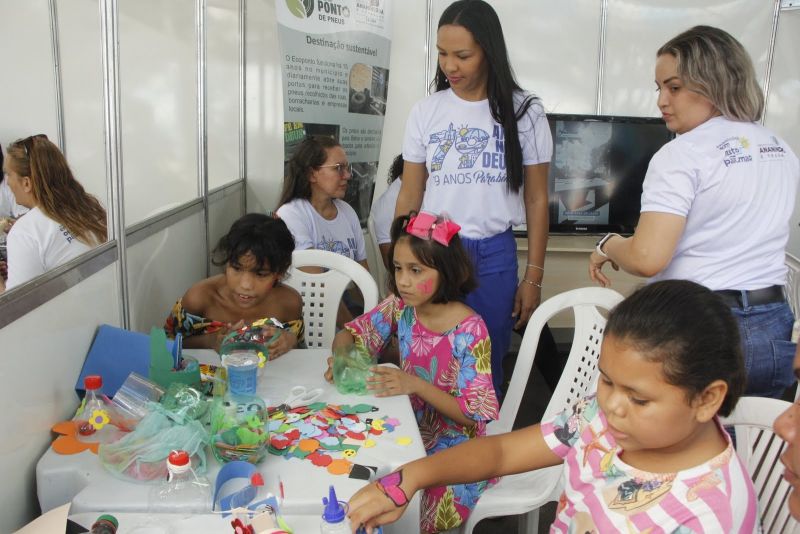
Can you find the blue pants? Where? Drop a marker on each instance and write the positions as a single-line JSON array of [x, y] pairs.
[[766, 331], [495, 262]]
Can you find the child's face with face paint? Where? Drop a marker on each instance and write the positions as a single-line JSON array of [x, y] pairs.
[[415, 281]]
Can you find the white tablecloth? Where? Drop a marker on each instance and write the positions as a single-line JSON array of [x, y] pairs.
[[81, 478]]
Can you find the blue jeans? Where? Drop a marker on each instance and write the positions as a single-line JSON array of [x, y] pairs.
[[766, 333], [495, 262]]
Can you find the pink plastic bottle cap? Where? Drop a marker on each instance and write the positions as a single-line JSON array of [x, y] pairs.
[[92, 382], [178, 458]]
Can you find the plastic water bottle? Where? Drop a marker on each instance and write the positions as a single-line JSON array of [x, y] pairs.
[[93, 419], [183, 490], [105, 524], [334, 515]]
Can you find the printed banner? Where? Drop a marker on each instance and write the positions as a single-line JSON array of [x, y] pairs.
[[335, 63]]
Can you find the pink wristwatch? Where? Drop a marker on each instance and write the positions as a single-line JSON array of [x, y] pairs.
[[390, 485]]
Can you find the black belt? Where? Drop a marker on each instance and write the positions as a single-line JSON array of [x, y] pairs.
[[756, 297]]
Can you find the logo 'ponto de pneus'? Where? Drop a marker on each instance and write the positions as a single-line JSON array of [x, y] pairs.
[[300, 8]]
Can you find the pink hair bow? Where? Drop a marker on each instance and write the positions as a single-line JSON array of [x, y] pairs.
[[426, 225]]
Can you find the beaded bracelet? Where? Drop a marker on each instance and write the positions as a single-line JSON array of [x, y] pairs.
[[537, 284], [536, 267]]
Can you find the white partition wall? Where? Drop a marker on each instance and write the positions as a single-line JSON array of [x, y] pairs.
[[264, 107], [161, 268], [222, 75], [158, 104], [42, 355], [783, 102], [82, 92], [27, 94], [224, 207], [635, 31], [406, 84]]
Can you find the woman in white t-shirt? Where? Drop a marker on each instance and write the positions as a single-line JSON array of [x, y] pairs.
[[717, 200], [311, 205], [478, 149], [64, 220]]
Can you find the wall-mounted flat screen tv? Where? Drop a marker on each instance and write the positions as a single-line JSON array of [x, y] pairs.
[[597, 169]]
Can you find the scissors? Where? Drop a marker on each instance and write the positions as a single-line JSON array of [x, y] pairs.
[[299, 396]]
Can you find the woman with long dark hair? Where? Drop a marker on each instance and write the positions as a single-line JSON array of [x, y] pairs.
[[64, 220], [478, 149]]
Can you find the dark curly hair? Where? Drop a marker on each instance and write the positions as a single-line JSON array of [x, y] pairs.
[[689, 330], [267, 238], [456, 277]]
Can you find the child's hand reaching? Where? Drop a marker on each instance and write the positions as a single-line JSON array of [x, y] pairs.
[[370, 507], [282, 344], [389, 381], [224, 331]]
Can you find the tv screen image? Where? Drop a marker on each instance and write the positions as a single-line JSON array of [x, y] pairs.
[[597, 169]]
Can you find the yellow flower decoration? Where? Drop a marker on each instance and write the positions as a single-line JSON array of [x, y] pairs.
[[99, 419]]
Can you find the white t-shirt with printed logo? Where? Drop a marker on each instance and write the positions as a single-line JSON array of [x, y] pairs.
[[735, 183], [36, 244], [462, 147], [383, 212], [342, 235]]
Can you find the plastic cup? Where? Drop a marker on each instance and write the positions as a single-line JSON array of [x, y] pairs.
[[242, 370], [133, 396]]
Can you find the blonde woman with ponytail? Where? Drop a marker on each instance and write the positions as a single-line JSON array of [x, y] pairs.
[[64, 221]]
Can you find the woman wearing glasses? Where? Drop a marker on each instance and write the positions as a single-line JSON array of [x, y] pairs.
[[64, 220], [311, 204]]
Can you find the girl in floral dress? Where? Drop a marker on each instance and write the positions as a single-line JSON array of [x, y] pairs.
[[445, 351]]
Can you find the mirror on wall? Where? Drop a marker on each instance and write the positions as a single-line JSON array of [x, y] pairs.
[[53, 196]]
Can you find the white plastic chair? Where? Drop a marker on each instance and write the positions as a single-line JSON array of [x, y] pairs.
[[792, 288], [380, 268], [322, 292], [525, 493], [760, 449]]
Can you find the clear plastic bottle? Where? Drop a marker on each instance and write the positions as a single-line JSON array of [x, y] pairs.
[[105, 524], [183, 490], [94, 416], [334, 515]]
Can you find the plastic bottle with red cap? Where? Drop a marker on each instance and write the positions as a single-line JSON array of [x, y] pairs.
[[94, 417], [183, 490]]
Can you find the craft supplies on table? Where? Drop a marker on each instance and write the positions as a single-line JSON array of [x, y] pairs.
[[81, 479]]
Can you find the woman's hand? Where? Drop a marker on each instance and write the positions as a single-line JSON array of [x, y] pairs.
[[329, 370], [370, 507], [282, 344], [526, 301], [389, 381], [596, 262]]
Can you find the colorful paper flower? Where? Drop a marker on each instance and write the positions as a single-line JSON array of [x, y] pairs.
[[99, 419]]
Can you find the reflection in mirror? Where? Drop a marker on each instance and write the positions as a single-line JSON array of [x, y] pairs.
[[63, 220]]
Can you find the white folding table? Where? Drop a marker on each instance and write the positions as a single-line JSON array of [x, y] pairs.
[[82, 480]]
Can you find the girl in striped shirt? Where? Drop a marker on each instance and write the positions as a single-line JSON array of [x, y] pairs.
[[646, 453]]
